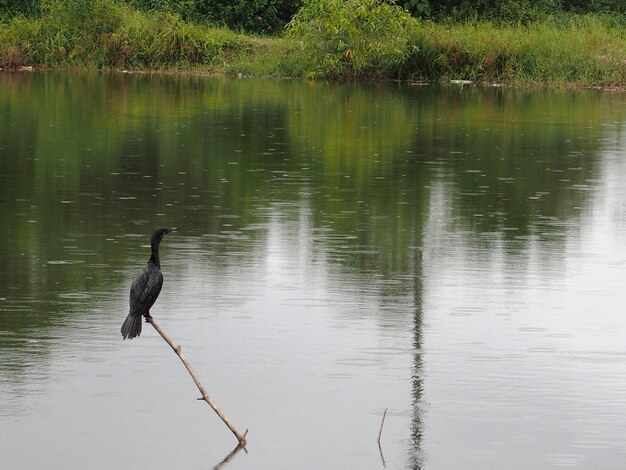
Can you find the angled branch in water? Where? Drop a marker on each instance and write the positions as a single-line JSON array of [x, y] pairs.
[[380, 432], [229, 457], [205, 396]]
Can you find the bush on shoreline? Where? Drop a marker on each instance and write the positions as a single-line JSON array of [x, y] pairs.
[[350, 38]]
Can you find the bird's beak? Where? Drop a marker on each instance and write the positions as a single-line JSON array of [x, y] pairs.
[[172, 229]]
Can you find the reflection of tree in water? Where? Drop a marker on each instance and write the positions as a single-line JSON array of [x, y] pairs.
[[416, 429]]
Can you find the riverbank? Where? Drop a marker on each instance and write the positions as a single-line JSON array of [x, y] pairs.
[[584, 51]]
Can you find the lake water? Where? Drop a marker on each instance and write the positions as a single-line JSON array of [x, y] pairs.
[[455, 255]]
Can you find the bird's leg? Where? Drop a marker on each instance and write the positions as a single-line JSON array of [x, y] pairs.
[[148, 317]]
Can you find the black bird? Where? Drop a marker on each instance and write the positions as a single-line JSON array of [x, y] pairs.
[[145, 288]]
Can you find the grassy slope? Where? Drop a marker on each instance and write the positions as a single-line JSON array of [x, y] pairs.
[[585, 51]]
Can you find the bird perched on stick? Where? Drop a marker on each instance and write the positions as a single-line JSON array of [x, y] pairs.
[[145, 288]]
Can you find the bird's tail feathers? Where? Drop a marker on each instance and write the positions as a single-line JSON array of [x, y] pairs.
[[131, 327]]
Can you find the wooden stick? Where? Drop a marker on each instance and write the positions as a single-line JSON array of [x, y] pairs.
[[205, 396]]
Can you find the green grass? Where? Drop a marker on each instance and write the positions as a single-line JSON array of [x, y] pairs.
[[582, 50], [104, 34]]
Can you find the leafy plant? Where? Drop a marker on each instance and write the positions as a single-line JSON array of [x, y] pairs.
[[417, 7], [350, 38]]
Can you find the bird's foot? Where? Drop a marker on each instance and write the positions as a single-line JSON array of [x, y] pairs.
[[148, 318]]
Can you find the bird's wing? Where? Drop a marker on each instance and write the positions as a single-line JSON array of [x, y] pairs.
[[145, 289]]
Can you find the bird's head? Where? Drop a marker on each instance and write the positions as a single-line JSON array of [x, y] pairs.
[[159, 233]]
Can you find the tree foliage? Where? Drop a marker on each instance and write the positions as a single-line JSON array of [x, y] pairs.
[[270, 16], [510, 11], [12, 8], [258, 16]]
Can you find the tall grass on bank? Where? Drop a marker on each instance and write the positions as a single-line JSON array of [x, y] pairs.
[[108, 34], [580, 50]]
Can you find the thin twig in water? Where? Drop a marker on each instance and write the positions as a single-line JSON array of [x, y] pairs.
[[205, 396], [380, 432], [382, 457], [229, 457], [381, 425]]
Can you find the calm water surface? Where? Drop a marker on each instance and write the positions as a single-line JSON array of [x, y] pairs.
[[455, 255]]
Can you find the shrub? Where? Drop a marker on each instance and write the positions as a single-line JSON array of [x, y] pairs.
[[350, 38], [15, 47]]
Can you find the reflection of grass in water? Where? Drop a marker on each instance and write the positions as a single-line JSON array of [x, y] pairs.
[[361, 160]]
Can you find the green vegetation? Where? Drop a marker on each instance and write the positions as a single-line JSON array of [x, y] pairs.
[[505, 41], [256, 16], [105, 34], [351, 38], [510, 11], [583, 50], [334, 38]]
